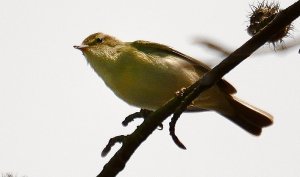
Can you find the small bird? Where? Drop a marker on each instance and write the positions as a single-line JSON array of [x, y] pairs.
[[147, 75]]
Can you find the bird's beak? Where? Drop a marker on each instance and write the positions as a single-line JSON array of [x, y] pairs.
[[80, 47]]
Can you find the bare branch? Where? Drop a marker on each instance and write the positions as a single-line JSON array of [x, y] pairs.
[[225, 50]]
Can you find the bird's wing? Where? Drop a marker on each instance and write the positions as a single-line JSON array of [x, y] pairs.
[[163, 50]]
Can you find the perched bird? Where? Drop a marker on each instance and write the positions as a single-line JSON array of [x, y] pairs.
[[147, 75]]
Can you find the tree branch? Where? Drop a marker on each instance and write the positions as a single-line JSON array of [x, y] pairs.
[[225, 50], [133, 141]]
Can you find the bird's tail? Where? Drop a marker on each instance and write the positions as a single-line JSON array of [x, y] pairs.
[[248, 117]]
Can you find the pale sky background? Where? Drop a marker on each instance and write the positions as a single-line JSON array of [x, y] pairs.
[[56, 115]]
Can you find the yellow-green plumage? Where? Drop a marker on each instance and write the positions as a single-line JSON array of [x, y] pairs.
[[147, 75]]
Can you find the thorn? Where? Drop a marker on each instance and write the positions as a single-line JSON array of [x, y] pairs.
[[144, 113], [111, 143], [131, 118], [172, 132]]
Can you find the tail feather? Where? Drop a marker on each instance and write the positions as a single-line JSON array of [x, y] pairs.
[[245, 124], [248, 117]]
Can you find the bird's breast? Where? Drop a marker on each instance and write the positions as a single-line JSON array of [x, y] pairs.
[[150, 84]]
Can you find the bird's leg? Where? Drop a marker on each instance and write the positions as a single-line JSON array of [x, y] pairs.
[[143, 113]]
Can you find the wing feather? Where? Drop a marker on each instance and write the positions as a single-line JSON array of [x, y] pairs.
[[163, 50]]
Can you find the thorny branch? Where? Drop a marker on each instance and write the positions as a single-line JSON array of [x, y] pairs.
[[225, 50], [177, 105]]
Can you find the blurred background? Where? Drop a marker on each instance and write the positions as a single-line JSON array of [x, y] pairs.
[[56, 115]]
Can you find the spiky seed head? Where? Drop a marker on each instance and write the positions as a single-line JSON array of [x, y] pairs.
[[261, 15]]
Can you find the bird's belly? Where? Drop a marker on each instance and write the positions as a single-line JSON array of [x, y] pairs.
[[148, 88]]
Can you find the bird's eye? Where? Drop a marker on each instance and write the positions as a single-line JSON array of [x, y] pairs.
[[99, 40]]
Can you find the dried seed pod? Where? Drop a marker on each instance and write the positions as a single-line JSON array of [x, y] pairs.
[[261, 16]]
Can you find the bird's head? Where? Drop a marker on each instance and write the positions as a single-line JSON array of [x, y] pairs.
[[98, 45]]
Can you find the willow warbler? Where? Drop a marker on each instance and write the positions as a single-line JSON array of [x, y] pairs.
[[147, 75]]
